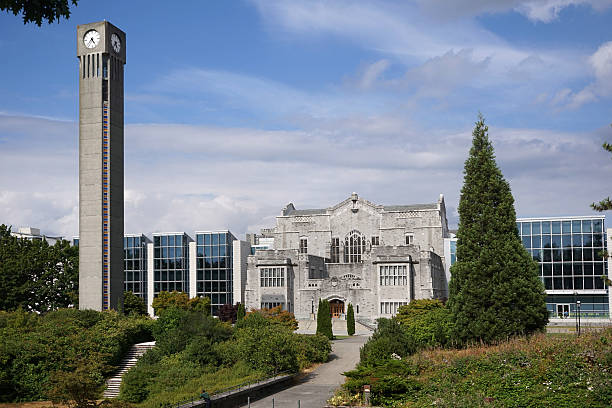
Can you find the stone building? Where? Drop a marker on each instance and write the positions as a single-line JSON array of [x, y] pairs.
[[374, 256]]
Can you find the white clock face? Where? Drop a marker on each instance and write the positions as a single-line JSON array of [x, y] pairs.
[[91, 38], [116, 43]]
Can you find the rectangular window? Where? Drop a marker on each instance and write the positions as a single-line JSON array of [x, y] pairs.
[[303, 245], [272, 277], [270, 305], [375, 241], [409, 239], [393, 275], [335, 251], [390, 308]]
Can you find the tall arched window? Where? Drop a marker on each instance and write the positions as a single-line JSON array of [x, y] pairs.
[[354, 247]]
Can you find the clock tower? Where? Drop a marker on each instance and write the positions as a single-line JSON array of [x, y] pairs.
[[101, 54]]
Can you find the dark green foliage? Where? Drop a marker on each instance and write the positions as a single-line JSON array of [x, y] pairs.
[[312, 349], [79, 388], [196, 351], [388, 339], [36, 11], [133, 304], [606, 203], [176, 328], [269, 349], [181, 300], [36, 276], [536, 371], [427, 321], [350, 320], [241, 312], [324, 323], [32, 347], [495, 291]]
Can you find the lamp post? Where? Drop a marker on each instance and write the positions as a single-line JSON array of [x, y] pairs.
[[578, 313], [312, 305]]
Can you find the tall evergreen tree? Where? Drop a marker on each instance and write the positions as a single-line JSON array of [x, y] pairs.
[[241, 312], [495, 291], [324, 324], [350, 320]]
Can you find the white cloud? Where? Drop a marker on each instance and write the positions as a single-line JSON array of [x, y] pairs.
[[195, 177], [601, 87], [544, 11]]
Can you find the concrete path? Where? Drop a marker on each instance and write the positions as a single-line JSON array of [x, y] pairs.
[[317, 387]]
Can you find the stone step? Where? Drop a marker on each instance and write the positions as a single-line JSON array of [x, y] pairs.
[[113, 384]]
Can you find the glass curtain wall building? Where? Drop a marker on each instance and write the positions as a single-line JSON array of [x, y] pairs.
[[135, 264], [170, 262], [214, 266], [571, 254]]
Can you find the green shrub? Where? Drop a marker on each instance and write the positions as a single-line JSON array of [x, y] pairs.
[[389, 338], [57, 342], [427, 321], [269, 349], [311, 349]]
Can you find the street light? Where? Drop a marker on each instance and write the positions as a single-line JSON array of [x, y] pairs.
[[312, 305], [578, 307]]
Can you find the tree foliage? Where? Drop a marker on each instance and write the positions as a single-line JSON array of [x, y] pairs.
[[241, 312], [606, 203], [495, 291], [350, 320], [133, 304], [165, 300], [227, 313], [36, 276], [324, 323], [36, 11], [33, 347]]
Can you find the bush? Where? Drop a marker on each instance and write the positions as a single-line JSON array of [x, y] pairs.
[[133, 304], [269, 349], [180, 300], [312, 349], [427, 321], [57, 342], [389, 339]]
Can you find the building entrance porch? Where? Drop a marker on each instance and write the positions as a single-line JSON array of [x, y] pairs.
[[336, 308]]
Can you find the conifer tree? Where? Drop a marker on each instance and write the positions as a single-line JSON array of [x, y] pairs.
[[495, 291], [350, 320], [241, 312], [324, 324]]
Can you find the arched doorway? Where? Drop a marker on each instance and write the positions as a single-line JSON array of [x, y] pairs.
[[336, 308]]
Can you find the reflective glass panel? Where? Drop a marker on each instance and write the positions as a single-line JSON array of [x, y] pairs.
[[535, 227], [536, 241], [546, 241], [556, 241], [164, 240], [526, 228], [578, 282], [576, 226], [527, 241], [566, 227], [586, 226], [200, 239], [597, 225], [556, 227], [566, 240], [545, 227]]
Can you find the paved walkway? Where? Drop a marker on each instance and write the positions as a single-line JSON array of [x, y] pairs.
[[317, 387]]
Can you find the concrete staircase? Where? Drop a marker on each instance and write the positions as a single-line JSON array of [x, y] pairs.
[[129, 360]]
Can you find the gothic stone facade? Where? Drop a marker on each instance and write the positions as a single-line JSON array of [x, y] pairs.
[[375, 257]]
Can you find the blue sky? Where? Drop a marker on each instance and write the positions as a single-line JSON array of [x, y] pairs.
[[235, 108]]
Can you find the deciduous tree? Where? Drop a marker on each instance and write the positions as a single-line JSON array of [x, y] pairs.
[[37, 11], [495, 291]]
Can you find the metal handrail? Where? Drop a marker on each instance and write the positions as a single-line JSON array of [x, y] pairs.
[[235, 387]]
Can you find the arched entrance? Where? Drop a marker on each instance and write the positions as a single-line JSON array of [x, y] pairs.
[[336, 308]]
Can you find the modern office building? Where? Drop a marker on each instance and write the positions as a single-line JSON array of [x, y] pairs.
[[135, 264], [214, 267], [101, 54], [571, 253], [373, 256]]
